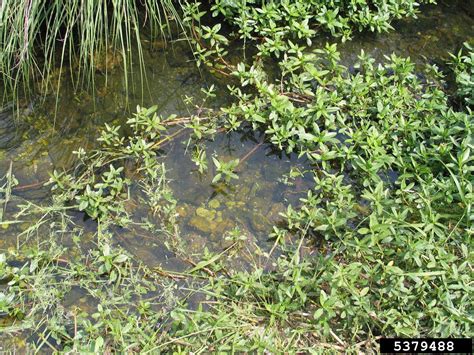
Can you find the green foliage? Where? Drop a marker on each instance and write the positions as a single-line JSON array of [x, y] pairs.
[[34, 294], [110, 263], [392, 198], [98, 201], [31, 31], [225, 170], [463, 65], [7, 183], [273, 25], [102, 192], [91, 30], [390, 211], [379, 246], [200, 159]]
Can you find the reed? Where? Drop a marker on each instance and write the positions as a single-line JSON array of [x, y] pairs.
[[38, 36]]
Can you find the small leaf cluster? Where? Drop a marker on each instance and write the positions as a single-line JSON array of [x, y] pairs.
[[225, 170], [99, 183], [463, 66]]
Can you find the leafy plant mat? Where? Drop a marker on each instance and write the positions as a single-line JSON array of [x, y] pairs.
[[381, 243]]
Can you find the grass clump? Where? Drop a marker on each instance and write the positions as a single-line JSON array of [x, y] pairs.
[[36, 37]]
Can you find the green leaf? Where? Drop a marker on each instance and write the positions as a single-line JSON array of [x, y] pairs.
[[99, 343], [364, 291], [216, 178], [318, 313], [216, 163], [202, 264], [120, 259]]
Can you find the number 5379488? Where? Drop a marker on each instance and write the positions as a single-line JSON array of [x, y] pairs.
[[447, 345]]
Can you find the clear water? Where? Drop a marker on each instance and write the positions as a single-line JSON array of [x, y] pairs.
[[51, 132]]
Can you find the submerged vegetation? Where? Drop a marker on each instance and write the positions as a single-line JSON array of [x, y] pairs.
[[379, 246]]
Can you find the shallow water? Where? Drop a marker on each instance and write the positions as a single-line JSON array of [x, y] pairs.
[[49, 134], [52, 132], [253, 203], [206, 212]]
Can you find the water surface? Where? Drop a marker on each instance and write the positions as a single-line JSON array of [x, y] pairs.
[[50, 131]]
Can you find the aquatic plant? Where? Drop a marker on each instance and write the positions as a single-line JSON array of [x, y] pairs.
[[8, 182], [37, 288], [274, 26], [276, 22], [47, 271], [392, 223], [36, 37], [99, 182], [225, 170], [392, 200], [379, 246], [200, 159], [463, 65]]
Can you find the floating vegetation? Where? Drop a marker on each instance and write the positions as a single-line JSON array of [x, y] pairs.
[[327, 204]]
